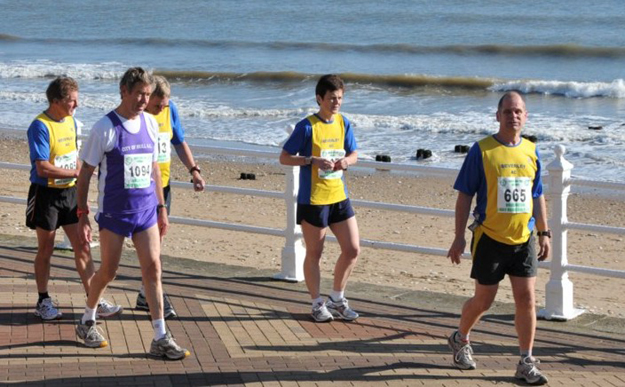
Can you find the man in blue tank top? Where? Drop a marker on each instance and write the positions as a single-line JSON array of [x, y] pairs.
[[130, 204]]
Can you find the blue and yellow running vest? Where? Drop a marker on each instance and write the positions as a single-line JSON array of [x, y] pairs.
[[327, 142], [165, 134], [63, 152], [506, 180]]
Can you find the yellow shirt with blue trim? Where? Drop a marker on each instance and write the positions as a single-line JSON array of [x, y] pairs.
[[55, 142], [170, 131], [505, 179], [331, 140], [165, 134]]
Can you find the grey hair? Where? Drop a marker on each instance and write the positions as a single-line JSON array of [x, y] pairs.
[[135, 75]]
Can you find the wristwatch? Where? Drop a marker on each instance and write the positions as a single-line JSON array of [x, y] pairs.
[[195, 168], [308, 160], [544, 233]]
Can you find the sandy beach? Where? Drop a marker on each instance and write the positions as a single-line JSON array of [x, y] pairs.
[[403, 270]]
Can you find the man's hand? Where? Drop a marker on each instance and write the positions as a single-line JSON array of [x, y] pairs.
[[341, 164], [84, 229], [457, 249], [544, 243], [163, 222], [323, 164], [198, 182]]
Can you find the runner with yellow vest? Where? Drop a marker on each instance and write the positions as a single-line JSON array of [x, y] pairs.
[[323, 146], [52, 193], [503, 172], [170, 133]]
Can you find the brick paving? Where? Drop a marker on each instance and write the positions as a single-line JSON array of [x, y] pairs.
[[244, 329]]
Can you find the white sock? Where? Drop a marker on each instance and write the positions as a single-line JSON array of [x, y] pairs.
[[317, 301], [89, 315], [159, 328], [337, 296], [142, 291]]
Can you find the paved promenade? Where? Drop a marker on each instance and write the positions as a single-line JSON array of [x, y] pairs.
[[245, 329]]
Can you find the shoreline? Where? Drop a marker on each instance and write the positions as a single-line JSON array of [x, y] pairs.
[[405, 270]]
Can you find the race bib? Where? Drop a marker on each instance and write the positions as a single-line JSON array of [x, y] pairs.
[[514, 195], [332, 155], [66, 161], [137, 170], [164, 148]]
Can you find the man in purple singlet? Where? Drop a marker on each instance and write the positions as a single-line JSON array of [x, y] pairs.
[[130, 204]]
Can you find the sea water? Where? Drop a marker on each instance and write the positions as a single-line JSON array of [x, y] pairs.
[[419, 74]]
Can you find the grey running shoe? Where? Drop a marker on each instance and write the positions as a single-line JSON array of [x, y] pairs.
[[91, 335], [168, 309], [320, 313], [341, 309], [46, 310], [142, 303], [108, 309], [463, 352], [167, 347], [527, 370]]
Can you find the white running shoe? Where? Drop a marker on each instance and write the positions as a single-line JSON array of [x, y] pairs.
[[167, 347], [463, 353], [47, 310], [527, 370], [341, 309], [91, 335], [320, 313], [108, 309]]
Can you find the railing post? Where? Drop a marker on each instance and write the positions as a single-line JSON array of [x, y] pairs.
[[293, 252], [559, 289]]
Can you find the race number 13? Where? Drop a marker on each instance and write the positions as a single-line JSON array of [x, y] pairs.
[[514, 195], [164, 148]]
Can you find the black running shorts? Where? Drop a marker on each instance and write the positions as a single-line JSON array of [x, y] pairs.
[[50, 208], [325, 215], [492, 260]]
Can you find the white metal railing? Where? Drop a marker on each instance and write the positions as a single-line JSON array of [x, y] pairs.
[[559, 289]]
